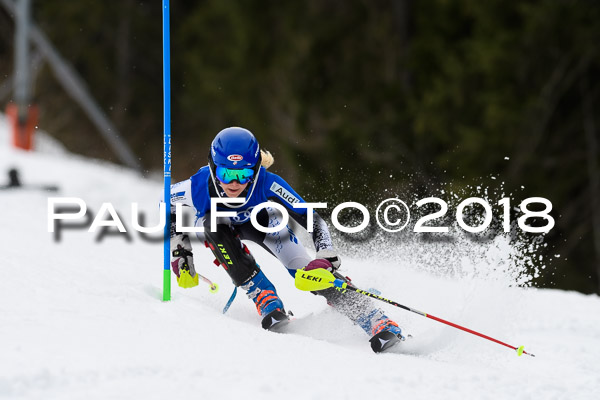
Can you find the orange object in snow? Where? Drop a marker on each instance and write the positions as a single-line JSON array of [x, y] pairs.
[[22, 129]]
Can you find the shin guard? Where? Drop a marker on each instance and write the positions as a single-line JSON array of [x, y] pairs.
[[231, 253]]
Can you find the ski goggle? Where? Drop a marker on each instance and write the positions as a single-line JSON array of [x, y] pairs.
[[228, 175]]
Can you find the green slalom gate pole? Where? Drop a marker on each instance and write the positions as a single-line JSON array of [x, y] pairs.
[[167, 149], [319, 279]]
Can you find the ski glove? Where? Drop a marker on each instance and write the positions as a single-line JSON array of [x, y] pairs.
[[326, 259], [331, 256], [183, 261]]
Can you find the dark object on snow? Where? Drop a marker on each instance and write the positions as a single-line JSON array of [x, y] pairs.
[[13, 178], [14, 182]]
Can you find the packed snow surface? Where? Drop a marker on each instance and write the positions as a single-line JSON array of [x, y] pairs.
[[81, 315]]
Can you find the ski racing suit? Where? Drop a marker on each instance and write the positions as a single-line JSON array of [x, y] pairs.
[[284, 244]]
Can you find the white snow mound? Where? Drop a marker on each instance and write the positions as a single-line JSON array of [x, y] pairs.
[[81, 317]]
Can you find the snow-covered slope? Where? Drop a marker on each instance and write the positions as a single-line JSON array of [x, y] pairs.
[[82, 317]]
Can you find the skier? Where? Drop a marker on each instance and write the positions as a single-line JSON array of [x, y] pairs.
[[237, 168]]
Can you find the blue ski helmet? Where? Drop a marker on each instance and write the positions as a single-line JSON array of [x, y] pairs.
[[234, 148]]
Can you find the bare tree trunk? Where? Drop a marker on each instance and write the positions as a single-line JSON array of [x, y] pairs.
[[402, 17], [123, 88], [591, 137]]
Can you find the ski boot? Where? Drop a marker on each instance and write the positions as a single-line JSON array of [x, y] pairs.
[[244, 272], [268, 304], [386, 334]]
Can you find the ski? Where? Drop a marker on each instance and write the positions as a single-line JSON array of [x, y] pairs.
[[384, 341], [275, 320]]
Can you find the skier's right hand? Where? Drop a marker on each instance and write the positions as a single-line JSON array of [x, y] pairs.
[[183, 261]]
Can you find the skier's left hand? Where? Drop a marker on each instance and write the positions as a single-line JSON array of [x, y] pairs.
[[326, 259], [331, 256]]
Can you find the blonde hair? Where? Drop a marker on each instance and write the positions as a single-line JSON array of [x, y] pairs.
[[266, 159]]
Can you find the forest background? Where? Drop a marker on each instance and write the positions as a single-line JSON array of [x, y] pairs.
[[357, 100]]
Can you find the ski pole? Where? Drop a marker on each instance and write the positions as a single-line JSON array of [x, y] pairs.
[[319, 279], [185, 280], [214, 288]]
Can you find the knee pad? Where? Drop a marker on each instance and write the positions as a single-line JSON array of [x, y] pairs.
[[231, 254]]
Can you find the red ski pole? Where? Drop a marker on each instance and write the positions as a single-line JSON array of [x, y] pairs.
[[319, 279]]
